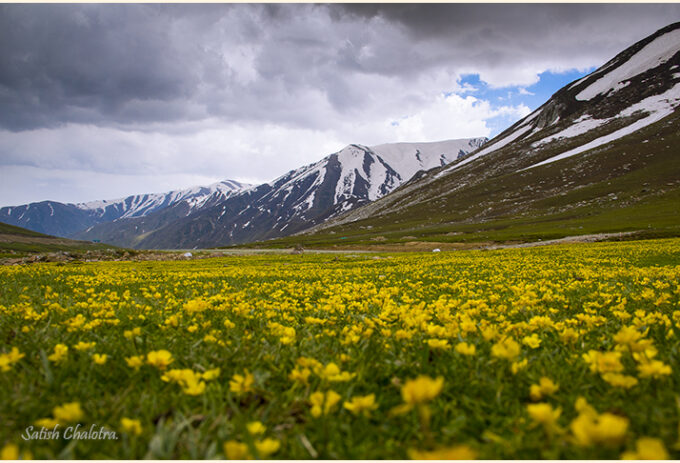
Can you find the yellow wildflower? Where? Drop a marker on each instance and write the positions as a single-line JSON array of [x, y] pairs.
[[267, 447], [532, 341], [323, 403], [421, 390], [60, 353], [619, 380], [583, 407], [516, 367], [68, 413], [189, 380], [209, 375], [129, 334], [489, 333], [610, 429], [544, 414], [193, 386], [99, 359], [9, 452], [241, 384], [647, 448], [568, 335], [10, 358], [135, 361], [235, 450], [306, 362], [131, 426], [653, 369], [590, 428], [465, 349], [361, 404], [331, 372], [627, 335], [457, 452], [604, 362], [545, 387], [442, 344], [48, 423], [300, 375], [255, 427], [506, 348], [83, 346], [630, 337], [159, 359], [645, 355]]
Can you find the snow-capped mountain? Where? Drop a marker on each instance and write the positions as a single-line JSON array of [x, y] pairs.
[[145, 204], [65, 220], [606, 142], [637, 88], [293, 202]]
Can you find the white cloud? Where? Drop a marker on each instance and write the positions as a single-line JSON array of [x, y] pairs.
[[452, 116]]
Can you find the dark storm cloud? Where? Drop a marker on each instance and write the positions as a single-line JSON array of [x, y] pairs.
[[81, 62], [500, 34], [133, 65], [480, 20]]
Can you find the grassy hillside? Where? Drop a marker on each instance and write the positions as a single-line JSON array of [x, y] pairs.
[[6, 229], [18, 242]]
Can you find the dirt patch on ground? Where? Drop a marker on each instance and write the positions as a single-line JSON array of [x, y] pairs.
[[413, 246], [105, 255], [565, 240]]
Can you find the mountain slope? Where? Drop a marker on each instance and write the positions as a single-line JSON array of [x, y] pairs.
[[54, 218], [600, 155], [295, 201], [16, 242]]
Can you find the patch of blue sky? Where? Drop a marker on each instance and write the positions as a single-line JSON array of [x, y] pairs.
[[531, 96]]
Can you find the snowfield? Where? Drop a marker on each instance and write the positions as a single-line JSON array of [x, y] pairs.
[[144, 204], [650, 56], [657, 107]]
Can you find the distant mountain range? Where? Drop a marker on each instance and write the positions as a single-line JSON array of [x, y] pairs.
[[66, 220], [602, 154], [230, 212]]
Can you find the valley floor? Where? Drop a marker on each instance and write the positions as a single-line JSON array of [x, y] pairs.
[[560, 351]]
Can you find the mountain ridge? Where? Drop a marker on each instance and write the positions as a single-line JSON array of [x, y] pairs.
[[196, 216], [67, 219], [294, 201]]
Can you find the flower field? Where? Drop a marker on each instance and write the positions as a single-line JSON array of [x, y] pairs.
[[556, 352]]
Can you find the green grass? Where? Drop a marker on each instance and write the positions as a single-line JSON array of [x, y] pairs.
[[13, 230], [20, 242]]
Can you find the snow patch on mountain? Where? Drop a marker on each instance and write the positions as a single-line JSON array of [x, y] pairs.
[[580, 126], [351, 161], [650, 56], [488, 149], [141, 205], [657, 107]]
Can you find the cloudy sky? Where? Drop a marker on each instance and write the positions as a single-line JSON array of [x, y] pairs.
[[102, 101]]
